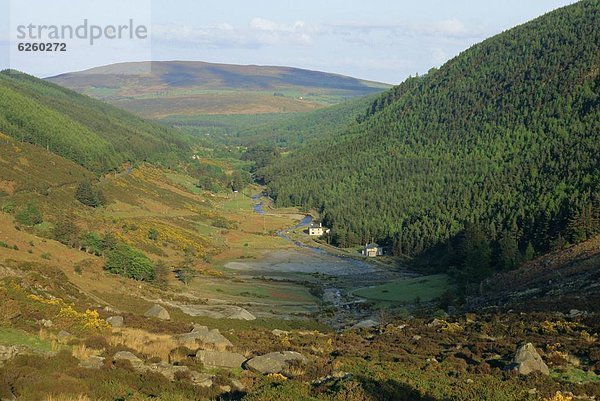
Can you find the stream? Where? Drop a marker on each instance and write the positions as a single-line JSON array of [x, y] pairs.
[[338, 275]]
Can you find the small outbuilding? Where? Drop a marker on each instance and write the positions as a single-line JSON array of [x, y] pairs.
[[372, 250]]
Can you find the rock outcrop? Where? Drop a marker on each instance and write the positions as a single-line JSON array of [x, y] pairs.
[[158, 312], [135, 362], [206, 336], [365, 324], [527, 360], [93, 362], [217, 311], [221, 359], [115, 321], [274, 362], [7, 352]]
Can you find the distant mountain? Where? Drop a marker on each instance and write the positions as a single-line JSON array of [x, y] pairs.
[[193, 87], [89, 132], [504, 138]]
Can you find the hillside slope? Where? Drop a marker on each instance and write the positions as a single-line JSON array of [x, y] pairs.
[[560, 281], [193, 88], [89, 132], [506, 136]]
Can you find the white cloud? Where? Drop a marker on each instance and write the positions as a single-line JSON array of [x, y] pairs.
[[259, 32], [446, 29]]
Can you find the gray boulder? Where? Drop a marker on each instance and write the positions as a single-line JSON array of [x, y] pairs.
[[168, 371], [158, 312], [93, 362], [115, 321], [63, 336], [217, 311], [365, 324], [527, 360], [7, 352], [136, 362], [274, 362], [221, 359], [202, 379], [206, 336]]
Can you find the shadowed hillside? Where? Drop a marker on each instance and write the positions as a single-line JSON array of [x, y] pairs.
[[192, 88]]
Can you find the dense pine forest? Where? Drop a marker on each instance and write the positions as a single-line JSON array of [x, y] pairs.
[[93, 134], [485, 162], [284, 130]]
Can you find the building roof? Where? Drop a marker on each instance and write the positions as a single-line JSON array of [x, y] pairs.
[[371, 246]]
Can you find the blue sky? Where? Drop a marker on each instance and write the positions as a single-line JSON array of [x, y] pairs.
[[377, 40]]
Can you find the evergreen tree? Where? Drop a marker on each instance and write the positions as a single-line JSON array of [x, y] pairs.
[[510, 257]]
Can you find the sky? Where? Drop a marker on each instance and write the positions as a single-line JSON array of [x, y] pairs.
[[379, 40]]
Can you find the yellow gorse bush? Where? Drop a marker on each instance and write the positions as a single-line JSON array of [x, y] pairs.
[[89, 320], [560, 397], [168, 233]]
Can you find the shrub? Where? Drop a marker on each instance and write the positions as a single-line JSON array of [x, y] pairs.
[[30, 215], [93, 243], [221, 222], [153, 234], [8, 207], [161, 274], [89, 195], [129, 262], [65, 231]]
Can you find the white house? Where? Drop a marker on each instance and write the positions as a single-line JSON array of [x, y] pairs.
[[372, 250], [317, 230]]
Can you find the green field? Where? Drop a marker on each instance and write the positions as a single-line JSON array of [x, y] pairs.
[[425, 288], [21, 338]]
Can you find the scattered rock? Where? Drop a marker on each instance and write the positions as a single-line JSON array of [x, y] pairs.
[[221, 359], [8, 352], [365, 324], [136, 362], [45, 323], [112, 310], [280, 333], [274, 362], [437, 323], [202, 379], [574, 313], [527, 360], [335, 376], [115, 321], [237, 384], [158, 312], [225, 389], [168, 371], [416, 337], [217, 311], [205, 336], [63, 336], [93, 362]]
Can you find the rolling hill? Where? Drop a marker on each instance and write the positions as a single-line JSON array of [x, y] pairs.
[[503, 140], [89, 132], [195, 88]]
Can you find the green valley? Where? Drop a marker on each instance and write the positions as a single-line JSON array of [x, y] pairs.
[[204, 231]]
